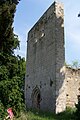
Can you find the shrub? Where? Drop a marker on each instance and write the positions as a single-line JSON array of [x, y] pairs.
[[77, 113], [2, 111]]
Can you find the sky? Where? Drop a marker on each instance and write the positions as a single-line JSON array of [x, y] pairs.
[[29, 11]]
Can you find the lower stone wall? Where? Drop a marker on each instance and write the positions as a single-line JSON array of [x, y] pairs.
[[72, 78], [52, 99]]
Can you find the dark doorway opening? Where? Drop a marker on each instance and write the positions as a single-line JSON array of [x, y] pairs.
[[36, 98]]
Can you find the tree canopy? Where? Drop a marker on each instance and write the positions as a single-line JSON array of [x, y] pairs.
[[12, 68]]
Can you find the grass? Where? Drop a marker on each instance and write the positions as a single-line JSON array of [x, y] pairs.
[[35, 115]]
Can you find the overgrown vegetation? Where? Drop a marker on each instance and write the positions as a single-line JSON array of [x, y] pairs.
[[12, 68], [35, 115], [75, 65], [77, 113]]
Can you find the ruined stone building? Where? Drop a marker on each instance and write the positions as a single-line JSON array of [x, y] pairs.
[[48, 85], [72, 79]]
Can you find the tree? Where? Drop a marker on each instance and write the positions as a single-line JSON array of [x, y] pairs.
[[8, 40], [10, 1], [75, 64], [11, 84], [2, 115], [77, 113], [12, 69]]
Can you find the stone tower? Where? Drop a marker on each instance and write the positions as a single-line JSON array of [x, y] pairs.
[[44, 81]]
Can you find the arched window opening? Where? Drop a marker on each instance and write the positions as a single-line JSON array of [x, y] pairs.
[[36, 98]]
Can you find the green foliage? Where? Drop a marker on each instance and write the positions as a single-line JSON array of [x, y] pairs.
[[12, 81], [3, 73], [2, 111], [38, 115], [9, 1], [8, 40], [75, 64], [77, 113], [12, 68]]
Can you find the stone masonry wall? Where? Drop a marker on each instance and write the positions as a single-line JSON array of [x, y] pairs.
[[44, 81], [72, 78], [60, 59], [49, 86]]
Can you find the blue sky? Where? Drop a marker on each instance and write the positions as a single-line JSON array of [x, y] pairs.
[[29, 11]]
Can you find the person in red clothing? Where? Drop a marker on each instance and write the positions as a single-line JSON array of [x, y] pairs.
[[10, 114]]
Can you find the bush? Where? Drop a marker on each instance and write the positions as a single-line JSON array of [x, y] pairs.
[[11, 95], [2, 111], [77, 113]]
